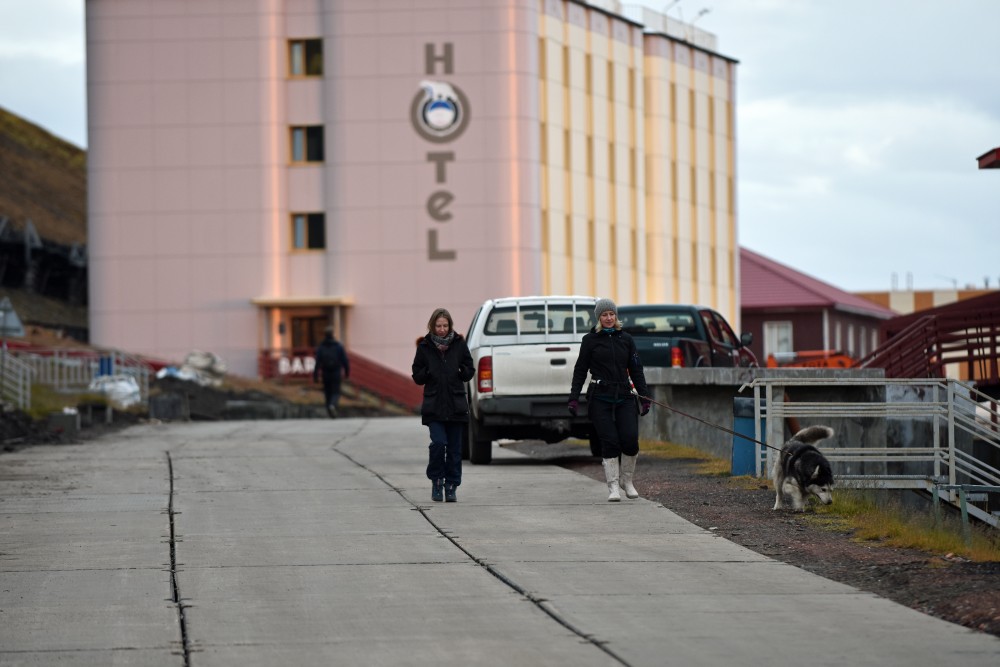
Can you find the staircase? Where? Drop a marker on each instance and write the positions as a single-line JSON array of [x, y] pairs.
[[922, 344], [381, 382], [386, 383]]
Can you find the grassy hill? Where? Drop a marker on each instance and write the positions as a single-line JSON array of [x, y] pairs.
[[44, 179]]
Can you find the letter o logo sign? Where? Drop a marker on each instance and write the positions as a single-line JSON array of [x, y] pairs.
[[439, 111]]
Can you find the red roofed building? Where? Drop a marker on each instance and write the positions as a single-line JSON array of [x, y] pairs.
[[990, 159], [788, 311]]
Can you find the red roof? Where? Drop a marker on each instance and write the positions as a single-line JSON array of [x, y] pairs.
[[766, 284], [990, 159]]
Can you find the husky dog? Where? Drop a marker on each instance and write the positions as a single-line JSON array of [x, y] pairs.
[[801, 469]]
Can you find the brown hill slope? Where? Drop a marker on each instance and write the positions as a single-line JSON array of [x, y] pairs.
[[42, 179]]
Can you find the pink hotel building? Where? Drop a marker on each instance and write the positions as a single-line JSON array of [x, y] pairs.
[[260, 169]]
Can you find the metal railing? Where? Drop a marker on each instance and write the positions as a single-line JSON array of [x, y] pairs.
[[15, 380], [925, 343], [75, 369], [944, 433]]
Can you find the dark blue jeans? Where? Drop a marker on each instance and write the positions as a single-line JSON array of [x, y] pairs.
[[445, 460], [331, 388], [617, 426]]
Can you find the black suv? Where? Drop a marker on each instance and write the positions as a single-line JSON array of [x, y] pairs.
[[685, 336]]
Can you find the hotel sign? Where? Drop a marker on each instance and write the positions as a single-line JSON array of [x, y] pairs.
[[439, 113]]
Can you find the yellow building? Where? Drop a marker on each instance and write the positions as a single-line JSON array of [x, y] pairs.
[[638, 158]]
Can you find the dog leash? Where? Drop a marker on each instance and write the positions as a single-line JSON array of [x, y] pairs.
[[708, 423]]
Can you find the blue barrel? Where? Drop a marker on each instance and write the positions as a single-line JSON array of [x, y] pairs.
[[106, 366], [744, 450]]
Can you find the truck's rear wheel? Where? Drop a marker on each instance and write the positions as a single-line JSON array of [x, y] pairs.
[[480, 444], [595, 445]]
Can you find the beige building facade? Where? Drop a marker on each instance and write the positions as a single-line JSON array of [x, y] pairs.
[[259, 169]]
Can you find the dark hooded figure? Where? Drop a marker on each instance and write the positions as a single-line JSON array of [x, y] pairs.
[[331, 362], [443, 365]]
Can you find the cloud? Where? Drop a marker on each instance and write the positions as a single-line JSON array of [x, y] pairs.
[[45, 31], [42, 65]]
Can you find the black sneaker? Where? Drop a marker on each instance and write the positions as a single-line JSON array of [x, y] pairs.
[[449, 493], [436, 487]]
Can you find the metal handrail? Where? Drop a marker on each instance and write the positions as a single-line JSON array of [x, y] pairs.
[[15, 381], [953, 407]]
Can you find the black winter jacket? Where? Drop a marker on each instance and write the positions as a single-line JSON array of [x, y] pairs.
[[611, 359], [443, 376], [331, 359]]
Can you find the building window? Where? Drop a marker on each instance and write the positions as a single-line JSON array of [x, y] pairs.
[[308, 231], [850, 340], [305, 57], [777, 338], [307, 143]]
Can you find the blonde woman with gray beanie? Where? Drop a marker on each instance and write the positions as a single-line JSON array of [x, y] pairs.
[[610, 356]]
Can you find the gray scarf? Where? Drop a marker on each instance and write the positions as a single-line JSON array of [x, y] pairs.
[[443, 343]]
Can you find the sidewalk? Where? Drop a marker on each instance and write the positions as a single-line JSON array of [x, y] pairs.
[[315, 542]]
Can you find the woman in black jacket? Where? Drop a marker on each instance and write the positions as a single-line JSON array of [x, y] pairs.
[[609, 354], [443, 365]]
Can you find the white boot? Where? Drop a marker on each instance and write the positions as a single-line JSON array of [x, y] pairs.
[[628, 467], [611, 473]]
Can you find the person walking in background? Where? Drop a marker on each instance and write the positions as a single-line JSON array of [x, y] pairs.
[[331, 362], [442, 365], [610, 356]]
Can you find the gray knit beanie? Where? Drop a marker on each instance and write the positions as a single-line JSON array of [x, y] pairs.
[[604, 304]]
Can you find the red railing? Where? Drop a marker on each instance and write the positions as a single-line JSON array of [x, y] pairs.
[[296, 365], [922, 344], [385, 382]]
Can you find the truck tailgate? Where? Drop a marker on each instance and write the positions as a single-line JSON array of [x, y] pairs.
[[520, 370]]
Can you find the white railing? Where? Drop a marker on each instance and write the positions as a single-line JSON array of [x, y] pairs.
[[15, 380], [945, 432], [74, 369]]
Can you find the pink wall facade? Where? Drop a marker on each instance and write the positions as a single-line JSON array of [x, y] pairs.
[[192, 185]]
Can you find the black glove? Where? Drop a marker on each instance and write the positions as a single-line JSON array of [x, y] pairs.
[[645, 405], [573, 406]]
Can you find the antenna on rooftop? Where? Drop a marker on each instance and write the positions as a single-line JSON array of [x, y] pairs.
[[954, 281], [701, 12], [670, 5]]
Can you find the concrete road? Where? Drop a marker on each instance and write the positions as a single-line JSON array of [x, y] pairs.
[[316, 543]]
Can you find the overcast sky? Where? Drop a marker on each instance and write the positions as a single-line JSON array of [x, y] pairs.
[[858, 126]]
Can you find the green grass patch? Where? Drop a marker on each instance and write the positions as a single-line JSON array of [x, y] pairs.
[[706, 464], [46, 400], [881, 519]]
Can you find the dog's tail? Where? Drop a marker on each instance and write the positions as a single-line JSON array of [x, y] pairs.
[[813, 434]]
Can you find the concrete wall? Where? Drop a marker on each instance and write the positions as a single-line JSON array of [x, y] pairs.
[[708, 394]]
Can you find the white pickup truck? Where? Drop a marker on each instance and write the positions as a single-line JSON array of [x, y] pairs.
[[524, 350]]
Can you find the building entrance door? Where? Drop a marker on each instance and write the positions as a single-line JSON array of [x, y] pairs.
[[307, 332]]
